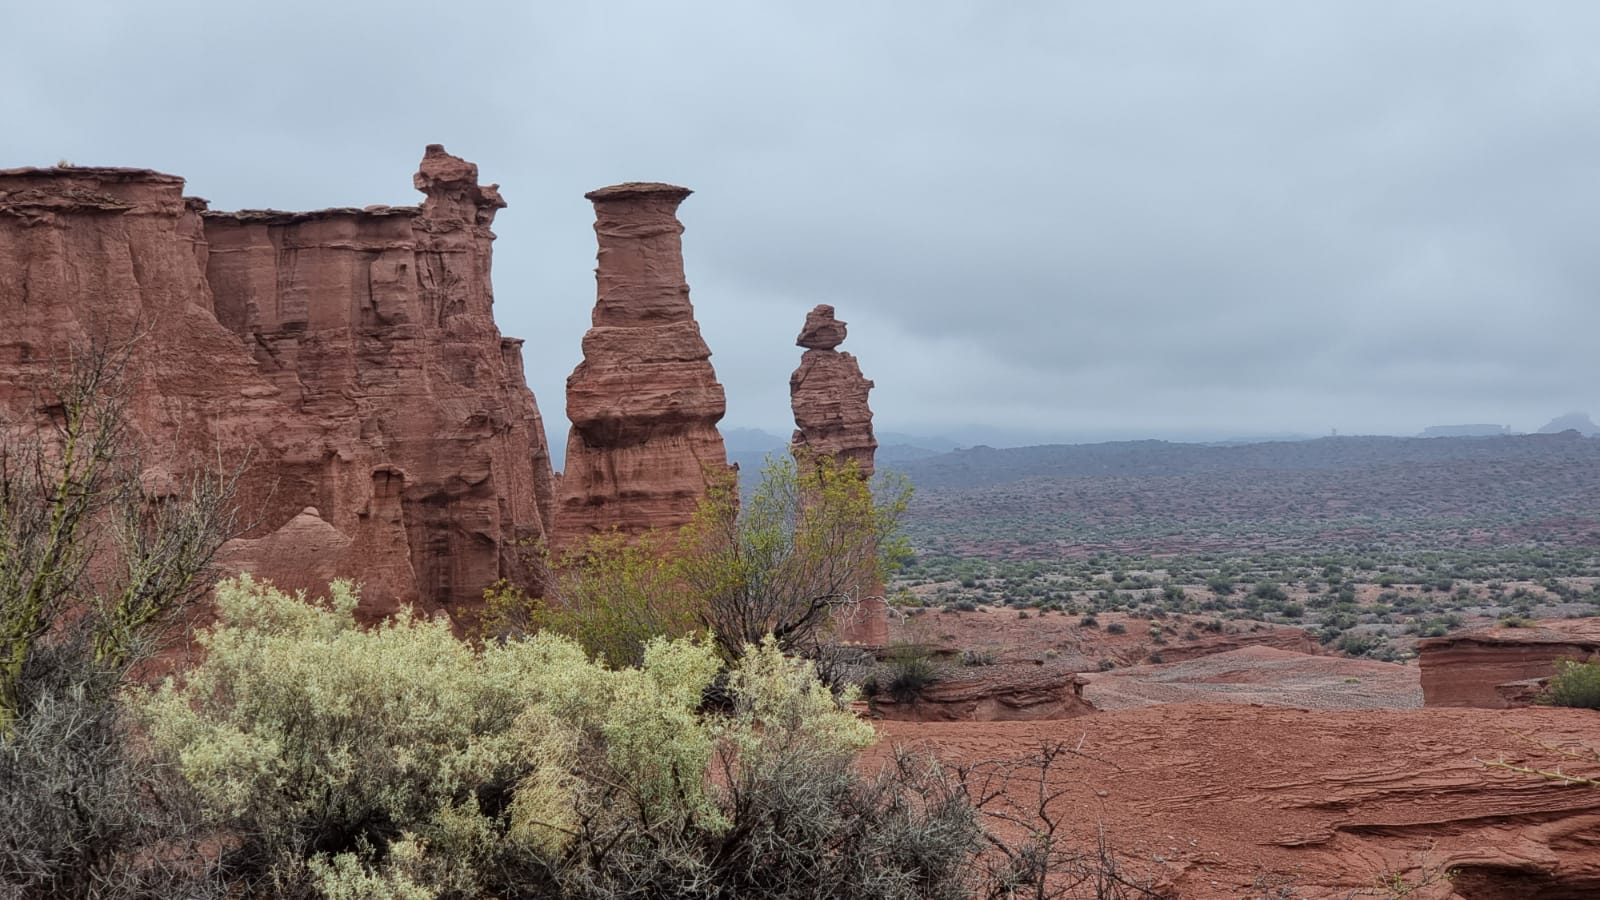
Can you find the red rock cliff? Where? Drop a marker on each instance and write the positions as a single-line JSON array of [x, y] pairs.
[[352, 353], [645, 401], [829, 397]]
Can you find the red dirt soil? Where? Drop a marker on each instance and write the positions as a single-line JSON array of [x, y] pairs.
[[1215, 800], [1261, 675]]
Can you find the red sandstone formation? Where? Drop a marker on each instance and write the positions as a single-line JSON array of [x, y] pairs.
[[645, 401], [832, 418], [1012, 693], [829, 396], [1229, 801], [1500, 667], [350, 354]]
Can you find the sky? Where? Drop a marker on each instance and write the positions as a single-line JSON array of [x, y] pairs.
[[1042, 220]]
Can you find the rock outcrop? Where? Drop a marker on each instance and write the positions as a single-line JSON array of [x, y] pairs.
[[1227, 801], [1014, 693], [1260, 675], [349, 357], [1499, 667], [832, 419], [829, 396], [645, 402]]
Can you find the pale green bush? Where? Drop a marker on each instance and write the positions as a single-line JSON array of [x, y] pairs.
[[1575, 684], [399, 762]]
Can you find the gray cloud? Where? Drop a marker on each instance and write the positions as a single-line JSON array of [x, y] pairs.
[[1088, 218]]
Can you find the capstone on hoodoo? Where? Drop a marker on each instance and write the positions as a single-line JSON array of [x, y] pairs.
[[644, 403]]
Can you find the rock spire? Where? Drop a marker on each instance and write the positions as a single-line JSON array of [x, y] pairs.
[[832, 418], [829, 395], [645, 401]]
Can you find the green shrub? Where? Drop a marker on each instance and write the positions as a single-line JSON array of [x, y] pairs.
[[912, 670], [1575, 684], [1116, 628], [82, 804], [809, 542], [397, 761]]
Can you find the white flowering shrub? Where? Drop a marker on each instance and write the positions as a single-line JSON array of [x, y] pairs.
[[397, 761]]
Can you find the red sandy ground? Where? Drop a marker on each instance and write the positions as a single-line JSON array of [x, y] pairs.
[[1243, 801], [1242, 769]]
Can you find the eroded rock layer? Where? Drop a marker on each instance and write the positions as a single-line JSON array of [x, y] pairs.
[[1013, 693], [1499, 667], [350, 356], [645, 401], [832, 419]]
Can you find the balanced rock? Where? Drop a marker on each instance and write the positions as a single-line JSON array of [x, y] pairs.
[[822, 331], [348, 356], [644, 402], [829, 396]]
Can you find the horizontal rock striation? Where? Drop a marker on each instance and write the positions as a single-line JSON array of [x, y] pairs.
[[1492, 667], [350, 356], [645, 400], [1015, 693], [1216, 801]]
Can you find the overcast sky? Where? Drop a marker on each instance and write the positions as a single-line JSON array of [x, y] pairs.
[[1054, 218]]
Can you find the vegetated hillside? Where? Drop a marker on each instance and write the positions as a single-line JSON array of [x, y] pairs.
[[1158, 497]]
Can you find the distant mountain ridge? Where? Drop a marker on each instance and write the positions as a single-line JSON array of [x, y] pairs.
[[1572, 421], [1154, 497], [1438, 431], [986, 466]]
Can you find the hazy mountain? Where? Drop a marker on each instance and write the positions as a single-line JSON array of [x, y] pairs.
[[746, 440], [1573, 421], [1436, 431], [980, 467]]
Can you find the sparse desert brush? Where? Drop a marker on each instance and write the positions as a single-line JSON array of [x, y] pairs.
[[912, 669], [1575, 684]]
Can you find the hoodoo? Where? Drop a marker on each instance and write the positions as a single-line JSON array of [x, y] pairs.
[[829, 395], [645, 401], [349, 355], [832, 418]]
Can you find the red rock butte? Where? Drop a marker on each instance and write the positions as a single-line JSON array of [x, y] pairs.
[[644, 402], [350, 356]]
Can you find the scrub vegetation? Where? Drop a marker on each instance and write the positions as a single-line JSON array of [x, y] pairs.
[[673, 739]]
